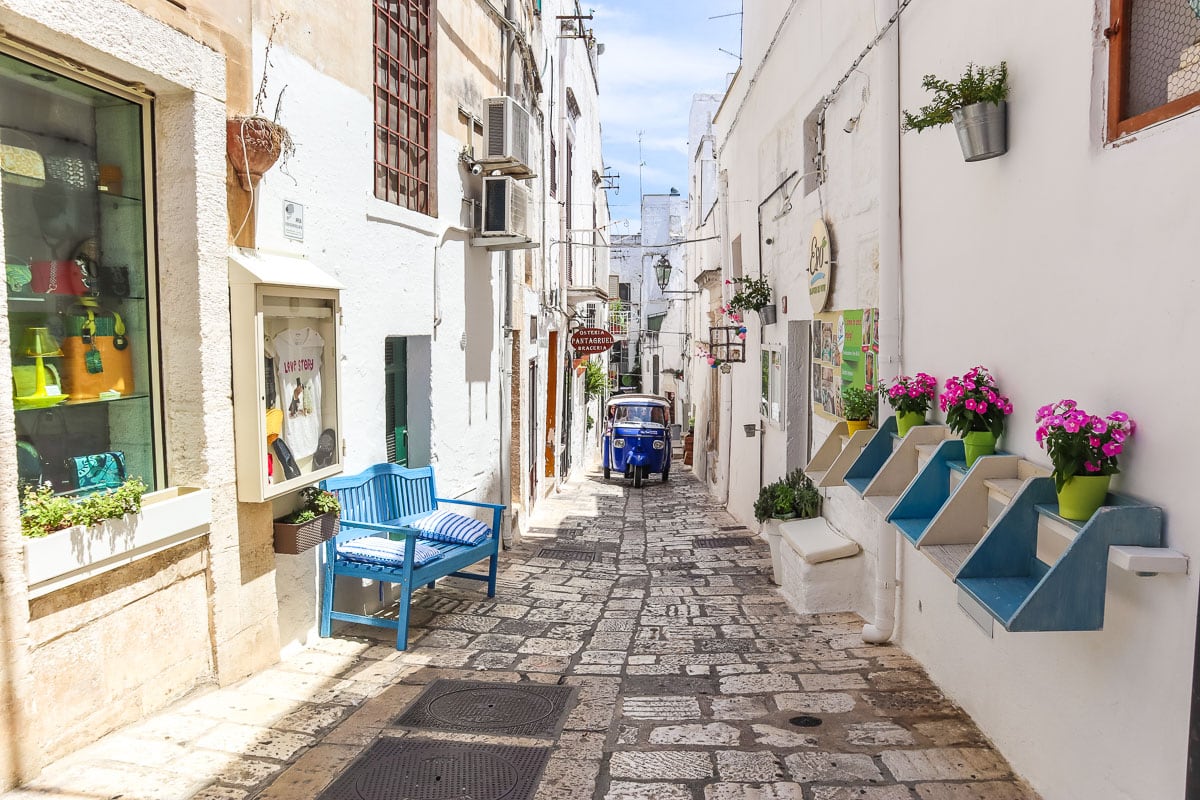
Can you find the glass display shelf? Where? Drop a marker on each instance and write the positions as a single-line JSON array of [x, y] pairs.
[[61, 401]]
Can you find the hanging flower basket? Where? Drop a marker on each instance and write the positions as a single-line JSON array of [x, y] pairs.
[[253, 145]]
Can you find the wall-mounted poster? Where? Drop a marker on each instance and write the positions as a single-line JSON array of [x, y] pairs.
[[845, 347]]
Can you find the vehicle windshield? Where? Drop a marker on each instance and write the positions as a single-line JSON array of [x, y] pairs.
[[641, 414]]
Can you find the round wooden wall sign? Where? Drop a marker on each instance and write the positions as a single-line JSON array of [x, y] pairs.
[[820, 266]]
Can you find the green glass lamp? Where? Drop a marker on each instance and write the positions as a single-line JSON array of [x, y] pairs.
[[39, 344]]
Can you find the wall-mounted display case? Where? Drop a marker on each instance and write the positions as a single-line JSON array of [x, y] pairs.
[[286, 319]]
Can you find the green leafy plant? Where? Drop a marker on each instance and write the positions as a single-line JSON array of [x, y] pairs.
[[752, 293], [977, 85], [43, 512], [595, 382], [591, 422], [313, 503], [858, 404], [793, 495]]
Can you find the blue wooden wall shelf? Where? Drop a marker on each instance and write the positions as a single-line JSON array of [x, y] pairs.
[[872, 457], [1023, 593], [929, 491]]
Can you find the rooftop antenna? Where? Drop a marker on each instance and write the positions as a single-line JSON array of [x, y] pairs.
[[738, 14]]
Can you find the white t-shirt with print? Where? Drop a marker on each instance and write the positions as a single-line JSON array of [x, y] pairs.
[[299, 353]]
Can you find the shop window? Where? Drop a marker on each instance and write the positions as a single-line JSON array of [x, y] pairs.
[[1154, 62], [405, 132], [80, 299], [771, 400]]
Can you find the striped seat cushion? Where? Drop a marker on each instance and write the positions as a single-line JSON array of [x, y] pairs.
[[382, 552], [446, 526]]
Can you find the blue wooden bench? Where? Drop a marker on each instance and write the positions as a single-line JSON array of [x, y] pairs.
[[394, 530]]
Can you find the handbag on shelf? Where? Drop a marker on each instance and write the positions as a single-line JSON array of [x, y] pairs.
[[22, 166], [96, 354], [98, 470], [62, 277]]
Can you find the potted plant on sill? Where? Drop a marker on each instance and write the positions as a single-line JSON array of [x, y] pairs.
[[975, 410], [753, 293], [1084, 449], [977, 105], [69, 539], [795, 496], [43, 512], [858, 407], [315, 521], [910, 398]]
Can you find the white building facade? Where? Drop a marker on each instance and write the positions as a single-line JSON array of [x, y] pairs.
[[1020, 263]]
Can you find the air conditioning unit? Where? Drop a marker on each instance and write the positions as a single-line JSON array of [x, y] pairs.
[[506, 133], [505, 208]]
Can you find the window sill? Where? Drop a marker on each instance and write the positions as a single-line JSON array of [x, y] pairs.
[[392, 214], [168, 518]]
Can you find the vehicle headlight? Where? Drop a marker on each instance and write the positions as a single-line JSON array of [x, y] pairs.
[[618, 442], [659, 444]]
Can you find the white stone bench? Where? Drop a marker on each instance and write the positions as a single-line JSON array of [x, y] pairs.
[[817, 568]]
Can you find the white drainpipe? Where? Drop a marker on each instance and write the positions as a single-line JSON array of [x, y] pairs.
[[890, 308]]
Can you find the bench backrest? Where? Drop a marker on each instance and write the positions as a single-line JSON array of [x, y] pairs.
[[383, 492]]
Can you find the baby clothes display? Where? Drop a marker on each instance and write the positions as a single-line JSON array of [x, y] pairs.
[[298, 354]]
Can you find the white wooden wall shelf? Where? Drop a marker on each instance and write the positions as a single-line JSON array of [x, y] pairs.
[[839, 452], [1036, 571], [897, 473]]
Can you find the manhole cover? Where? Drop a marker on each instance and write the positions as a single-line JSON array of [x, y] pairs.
[[516, 709], [805, 721], [724, 541], [407, 769], [566, 555]]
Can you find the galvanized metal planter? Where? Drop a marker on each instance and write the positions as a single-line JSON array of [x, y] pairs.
[[766, 314], [982, 130]]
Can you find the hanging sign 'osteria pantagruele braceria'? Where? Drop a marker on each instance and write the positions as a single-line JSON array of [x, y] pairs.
[[586, 341], [820, 266]]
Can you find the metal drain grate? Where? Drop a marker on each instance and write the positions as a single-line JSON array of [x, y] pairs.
[[723, 541], [515, 709], [562, 554], [732, 528], [407, 769]]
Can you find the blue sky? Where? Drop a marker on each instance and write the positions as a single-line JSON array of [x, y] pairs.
[[658, 53]]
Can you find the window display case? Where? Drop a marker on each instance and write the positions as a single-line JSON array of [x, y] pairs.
[[76, 217], [286, 320]]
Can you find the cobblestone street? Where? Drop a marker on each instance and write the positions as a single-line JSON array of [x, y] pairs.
[[695, 680]]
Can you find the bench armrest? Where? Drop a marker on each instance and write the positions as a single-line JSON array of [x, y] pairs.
[[493, 506]]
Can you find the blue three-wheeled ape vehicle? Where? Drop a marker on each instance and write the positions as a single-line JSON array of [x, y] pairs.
[[637, 438]]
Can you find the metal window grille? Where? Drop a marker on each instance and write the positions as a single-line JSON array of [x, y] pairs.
[[403, 102], [618, 319], [1154, 70]]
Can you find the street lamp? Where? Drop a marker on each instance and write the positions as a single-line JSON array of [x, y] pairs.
[[662, 273]]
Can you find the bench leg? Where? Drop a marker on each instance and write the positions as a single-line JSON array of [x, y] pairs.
[[493, 562], [402, 615], [327, 581]]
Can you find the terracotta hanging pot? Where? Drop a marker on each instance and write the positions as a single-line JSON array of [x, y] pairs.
[[253, 145]]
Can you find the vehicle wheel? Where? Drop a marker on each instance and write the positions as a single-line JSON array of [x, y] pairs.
[[637, 477], [607, 473]]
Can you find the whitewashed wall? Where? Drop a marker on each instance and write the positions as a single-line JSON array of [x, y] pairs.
[[1085, 253], [385, 257], [1064, 266]]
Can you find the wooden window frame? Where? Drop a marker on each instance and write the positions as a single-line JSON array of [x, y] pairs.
[[1117, 34], [415, 190]]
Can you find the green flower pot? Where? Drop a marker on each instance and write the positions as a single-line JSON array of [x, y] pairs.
[[907, 420], [978, 443], [1081, 495]]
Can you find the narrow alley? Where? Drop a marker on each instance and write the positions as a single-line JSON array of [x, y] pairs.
[[695, 680]]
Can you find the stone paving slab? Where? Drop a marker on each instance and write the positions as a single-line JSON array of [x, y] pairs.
[[693, 678]]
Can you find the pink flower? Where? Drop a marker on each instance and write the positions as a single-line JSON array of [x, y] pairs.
[[1090, 467], [1119, 416], [980, 407], [970, 404], [1040, 435], [1008, 408], [1093, 441], [1071, 426], [1118, 435], [1098, 425], [1112, 449]]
